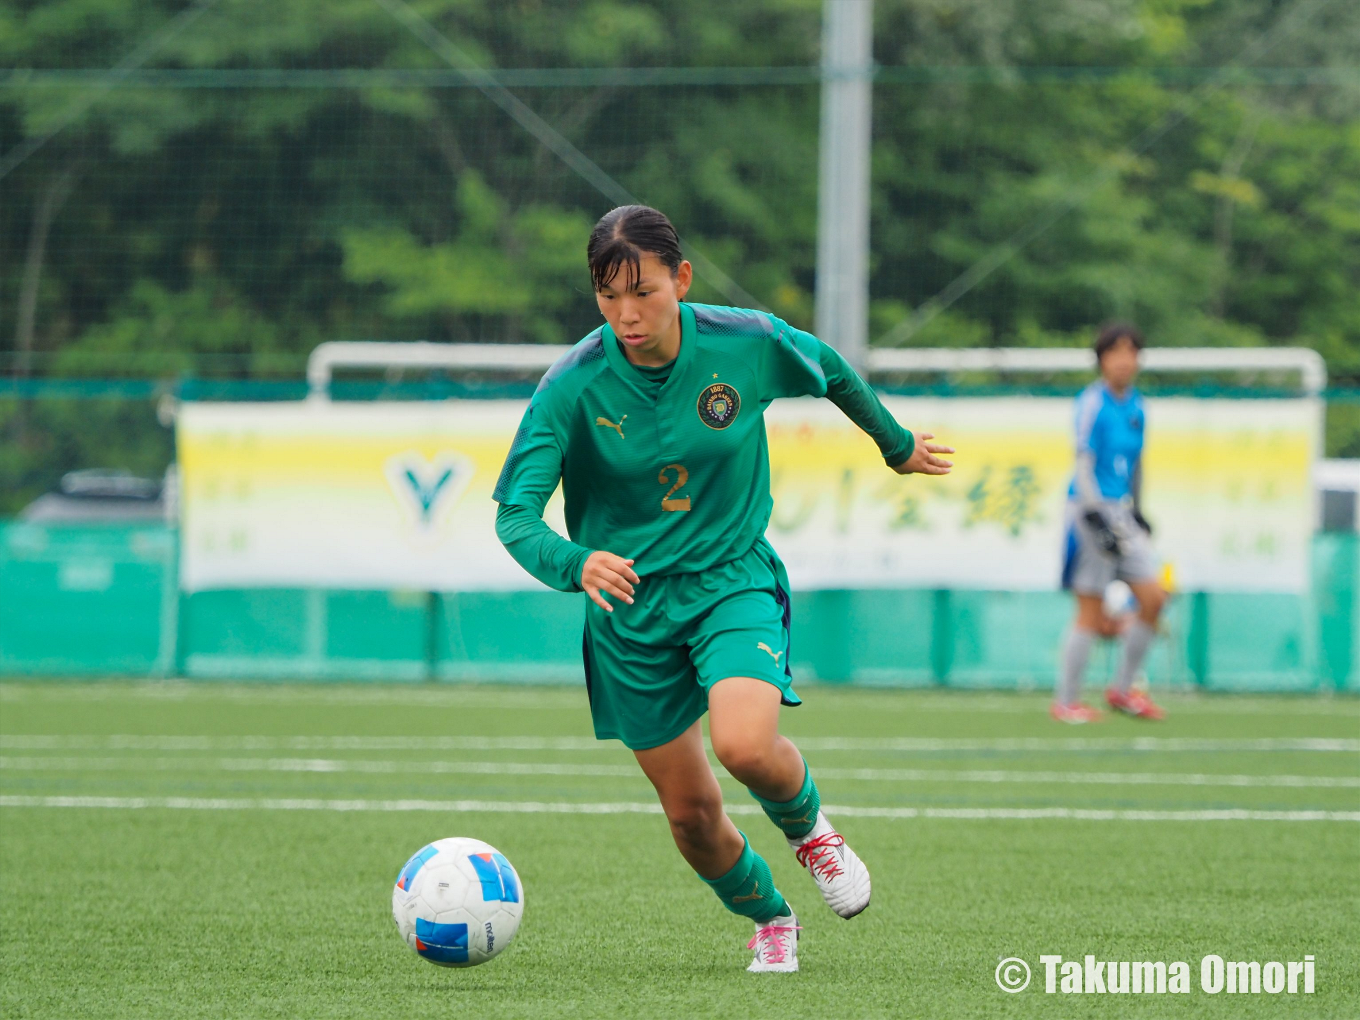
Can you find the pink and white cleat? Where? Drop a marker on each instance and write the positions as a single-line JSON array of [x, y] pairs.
[[1076, 714], [1134, 703], [841, 876], [776, 946]]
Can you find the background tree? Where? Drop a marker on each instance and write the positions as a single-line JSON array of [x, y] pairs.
[[283, 173]]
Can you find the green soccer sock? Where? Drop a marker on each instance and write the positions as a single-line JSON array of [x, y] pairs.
[[748, 889], [794, 817]]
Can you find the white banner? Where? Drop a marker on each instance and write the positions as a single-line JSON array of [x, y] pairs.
[[1226, 485], [394, 495], [398, 495]]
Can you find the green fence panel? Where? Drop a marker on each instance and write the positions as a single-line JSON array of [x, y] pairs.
[[1006, 638], [284, 633], [1259, 642], [874, 637], [1336, 576], [528, 636], [280, 633], [92, 599]]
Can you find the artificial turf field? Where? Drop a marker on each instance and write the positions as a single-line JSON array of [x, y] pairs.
[[241, 861]]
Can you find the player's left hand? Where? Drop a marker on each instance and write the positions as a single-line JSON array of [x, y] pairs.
[[923, 459]]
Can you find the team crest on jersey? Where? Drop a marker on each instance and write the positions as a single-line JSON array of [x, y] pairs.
[[718, 405]]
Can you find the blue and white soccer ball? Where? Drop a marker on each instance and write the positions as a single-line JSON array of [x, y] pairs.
[[458, 902]]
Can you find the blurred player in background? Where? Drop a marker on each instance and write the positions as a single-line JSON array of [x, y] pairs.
[[1107, 537], [654, 426]]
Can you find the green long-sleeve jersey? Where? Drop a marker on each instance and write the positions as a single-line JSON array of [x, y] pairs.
[[669, 468]]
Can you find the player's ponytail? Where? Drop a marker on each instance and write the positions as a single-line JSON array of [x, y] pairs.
[[623, 236]]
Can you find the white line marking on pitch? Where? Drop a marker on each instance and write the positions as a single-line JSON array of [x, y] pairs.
[[135, 742], [1321, 744], [642, 807], [493, 768], [1089, 778], [877, 700], [507, 768], [570, 696]]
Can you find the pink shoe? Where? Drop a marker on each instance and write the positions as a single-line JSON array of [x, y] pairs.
[[776, 946], [1075, 714], [1134, 703]]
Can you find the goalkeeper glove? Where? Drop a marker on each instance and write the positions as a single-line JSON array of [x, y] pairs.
[[1102, 532], [1141, 521]]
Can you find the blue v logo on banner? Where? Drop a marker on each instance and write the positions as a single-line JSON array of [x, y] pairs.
[[425, 487], [427, 494]]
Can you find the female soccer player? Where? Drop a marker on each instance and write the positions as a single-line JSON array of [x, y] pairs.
[[654, 425], [1107, 535]]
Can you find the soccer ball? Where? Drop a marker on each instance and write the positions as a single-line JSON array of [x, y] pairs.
[[458, 902]]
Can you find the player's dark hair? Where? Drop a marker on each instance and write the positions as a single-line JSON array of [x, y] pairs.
[[1112, 332], [623, 236]]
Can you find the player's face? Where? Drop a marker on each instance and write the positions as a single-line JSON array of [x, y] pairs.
[[1119, 365], [646, 316]]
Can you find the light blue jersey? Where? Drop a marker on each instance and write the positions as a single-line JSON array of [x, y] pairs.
[[1110, 430]]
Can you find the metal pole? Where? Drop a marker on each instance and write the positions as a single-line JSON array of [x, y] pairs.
[[843, 177], [432, 622]]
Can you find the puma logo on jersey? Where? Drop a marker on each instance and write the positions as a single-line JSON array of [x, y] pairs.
[[773, 654], [755, 895], [617, 427]]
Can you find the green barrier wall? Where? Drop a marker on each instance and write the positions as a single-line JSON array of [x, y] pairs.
[[87, 599], [104, 600]]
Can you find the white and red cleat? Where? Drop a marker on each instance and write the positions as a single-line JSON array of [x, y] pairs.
[[1075, 714], [776, 946], [841, 876], [1134, 703]]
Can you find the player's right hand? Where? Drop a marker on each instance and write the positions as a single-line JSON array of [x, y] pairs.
[[605, 572], [1102, 532], [923, 459]]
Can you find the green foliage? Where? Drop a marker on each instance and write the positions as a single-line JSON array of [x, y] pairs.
[[46, 438], [518, 266], [226, 225], [157, 330], [1343, 429]]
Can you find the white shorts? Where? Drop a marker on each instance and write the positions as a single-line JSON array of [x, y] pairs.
[[1088, 569]]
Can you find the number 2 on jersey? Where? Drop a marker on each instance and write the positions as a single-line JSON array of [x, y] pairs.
[[681, 477]]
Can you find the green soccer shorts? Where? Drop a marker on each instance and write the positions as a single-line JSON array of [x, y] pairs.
[[649, 665]]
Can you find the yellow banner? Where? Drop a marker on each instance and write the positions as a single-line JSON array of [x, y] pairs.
[[1227, 483], [319, 494]]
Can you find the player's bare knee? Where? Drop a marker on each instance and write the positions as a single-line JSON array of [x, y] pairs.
[[694, 820], [748, 761], [1090, 614], [1151, 603]]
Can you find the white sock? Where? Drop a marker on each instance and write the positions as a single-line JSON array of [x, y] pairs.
[[1137, 640], [1072, 668]]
